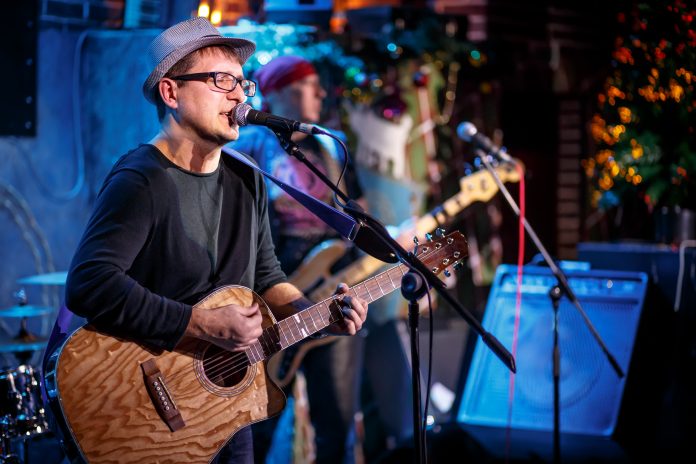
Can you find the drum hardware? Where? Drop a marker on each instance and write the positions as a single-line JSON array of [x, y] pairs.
[[22, 412], [51, 278], [22, 309], [6, 435], [25, 311], [23, 344]]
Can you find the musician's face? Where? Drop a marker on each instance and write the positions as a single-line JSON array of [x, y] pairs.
[[300, 100], [203, 109]]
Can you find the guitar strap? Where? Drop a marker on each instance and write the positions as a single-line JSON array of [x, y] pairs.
[[341, 222], [56, 339]]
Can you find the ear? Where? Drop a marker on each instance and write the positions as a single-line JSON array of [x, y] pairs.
[[168, 91]]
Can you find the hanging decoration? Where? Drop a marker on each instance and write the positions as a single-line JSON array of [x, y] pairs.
[[412, 68], [273, 40]]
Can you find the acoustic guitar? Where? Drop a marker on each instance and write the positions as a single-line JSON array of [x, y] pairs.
[[118, 401]]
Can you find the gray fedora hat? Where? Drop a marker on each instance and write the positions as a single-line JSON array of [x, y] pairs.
[[181, 39]]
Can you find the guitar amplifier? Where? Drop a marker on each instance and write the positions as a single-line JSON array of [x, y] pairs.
[[590, 390]]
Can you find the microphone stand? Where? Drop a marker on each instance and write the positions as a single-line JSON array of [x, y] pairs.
[[556, 293], [413, 283], [413, 289]]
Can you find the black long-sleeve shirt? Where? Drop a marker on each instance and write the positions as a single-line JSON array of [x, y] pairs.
[[160, 238]]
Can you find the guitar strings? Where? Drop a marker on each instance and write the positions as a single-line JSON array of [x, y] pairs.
[[235, 369], [221, 362], [226, 366], [268, 337], [213, 368], [230, 368], [224, 358]]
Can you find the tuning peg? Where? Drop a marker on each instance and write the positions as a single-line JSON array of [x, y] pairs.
[[440, 232], [457, 266], [429, 237], [447, 273], [415, 245]]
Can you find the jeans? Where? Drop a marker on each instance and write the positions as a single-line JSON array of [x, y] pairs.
[[239, 450]]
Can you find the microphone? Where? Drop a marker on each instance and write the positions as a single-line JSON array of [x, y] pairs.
[[245, 115], [468, 132]]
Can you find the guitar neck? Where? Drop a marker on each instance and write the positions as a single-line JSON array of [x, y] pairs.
[[319, 316], [368, 265]]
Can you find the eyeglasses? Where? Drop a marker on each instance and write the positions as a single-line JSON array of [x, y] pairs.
[[222, 80]]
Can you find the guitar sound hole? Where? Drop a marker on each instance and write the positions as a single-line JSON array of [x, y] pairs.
[[224, 368]]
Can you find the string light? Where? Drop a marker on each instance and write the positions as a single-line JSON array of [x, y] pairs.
[[216, 17], [653, 75], [203, 10]]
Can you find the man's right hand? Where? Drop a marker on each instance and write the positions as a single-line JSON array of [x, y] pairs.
[[231, 327]]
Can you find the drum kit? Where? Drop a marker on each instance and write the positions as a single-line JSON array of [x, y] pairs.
[[22, 412]]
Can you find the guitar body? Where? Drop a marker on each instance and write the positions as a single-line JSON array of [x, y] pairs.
[[315, 271], [282, 367], [97, 383]]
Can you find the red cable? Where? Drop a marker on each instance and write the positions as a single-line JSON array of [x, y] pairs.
[[518, 304]]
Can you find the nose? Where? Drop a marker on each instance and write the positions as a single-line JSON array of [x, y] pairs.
[[237, 94]]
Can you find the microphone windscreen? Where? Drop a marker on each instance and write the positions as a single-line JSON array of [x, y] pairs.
[[466, 131], [240, 114]]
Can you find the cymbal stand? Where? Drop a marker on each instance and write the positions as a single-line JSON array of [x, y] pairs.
[[24, 335]]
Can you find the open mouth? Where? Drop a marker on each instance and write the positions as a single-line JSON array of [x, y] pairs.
[[230, 117]]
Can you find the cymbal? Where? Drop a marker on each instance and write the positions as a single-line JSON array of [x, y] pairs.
[[52, 278], [18, 346], [25, 311]]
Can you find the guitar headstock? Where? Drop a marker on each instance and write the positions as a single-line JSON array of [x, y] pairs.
[[507, 172], [481, 186], [443, 252]]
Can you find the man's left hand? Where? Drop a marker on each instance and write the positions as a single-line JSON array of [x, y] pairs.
[[354, 313]]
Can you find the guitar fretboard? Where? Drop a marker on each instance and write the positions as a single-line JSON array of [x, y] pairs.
[[319, 316]]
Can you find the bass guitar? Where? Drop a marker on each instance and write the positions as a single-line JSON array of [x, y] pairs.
[[315, 279]]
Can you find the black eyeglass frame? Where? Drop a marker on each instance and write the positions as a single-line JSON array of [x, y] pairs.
[[248, 86]]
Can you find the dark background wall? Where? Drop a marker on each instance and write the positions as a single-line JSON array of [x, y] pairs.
[[89, 112]]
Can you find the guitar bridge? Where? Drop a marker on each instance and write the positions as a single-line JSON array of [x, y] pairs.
[[160, 396]]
